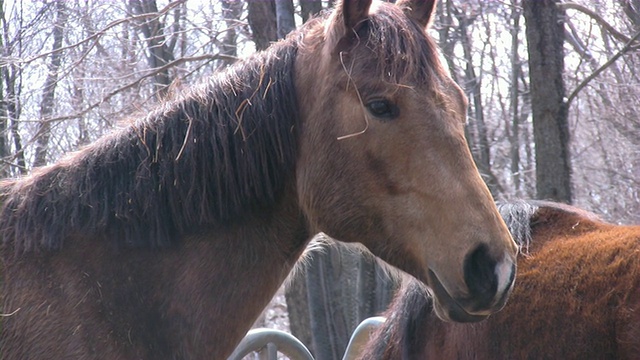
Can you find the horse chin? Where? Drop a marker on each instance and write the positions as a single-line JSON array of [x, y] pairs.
[[446, 307]]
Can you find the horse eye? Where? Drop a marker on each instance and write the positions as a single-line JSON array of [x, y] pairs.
[[383, 109]]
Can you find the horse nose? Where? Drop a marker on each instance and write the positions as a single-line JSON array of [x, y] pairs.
[[488, 279]]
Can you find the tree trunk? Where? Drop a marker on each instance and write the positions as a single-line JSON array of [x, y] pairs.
[[4, 121], [479, 143], [4, 102], [284, 17], [49, 89], [545, 38], [160, 50], [447, 35], [231, 10], [514, 94], [263, 23], [309, 8]]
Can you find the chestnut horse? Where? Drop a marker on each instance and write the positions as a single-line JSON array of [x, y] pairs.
[[167, 237], [577, 296]]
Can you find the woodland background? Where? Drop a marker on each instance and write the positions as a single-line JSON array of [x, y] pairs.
[[554, 94]]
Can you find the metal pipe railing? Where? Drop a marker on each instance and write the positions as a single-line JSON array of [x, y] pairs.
[[268, 342], [361, 335]]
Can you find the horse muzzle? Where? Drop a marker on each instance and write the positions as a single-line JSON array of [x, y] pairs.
[[489, 283]]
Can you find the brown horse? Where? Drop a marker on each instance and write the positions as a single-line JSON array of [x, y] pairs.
[[166, 238], [577, 296]]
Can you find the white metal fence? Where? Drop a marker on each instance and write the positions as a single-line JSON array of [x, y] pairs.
[[267, 343]]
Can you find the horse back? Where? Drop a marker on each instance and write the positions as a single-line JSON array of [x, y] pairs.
[[577, 293]]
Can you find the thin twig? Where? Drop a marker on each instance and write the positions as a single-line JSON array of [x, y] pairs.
[[102, 32], [592, 14], [135, 83], [626, 48]]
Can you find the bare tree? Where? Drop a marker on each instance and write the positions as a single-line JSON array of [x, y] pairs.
[[284, 17], [518, 114], [263, 22], [160, 49], [309, 8], [545, 38], [231, 10], [50, 84], [10, 99], [514, 99], [90, 78], [477, 127]]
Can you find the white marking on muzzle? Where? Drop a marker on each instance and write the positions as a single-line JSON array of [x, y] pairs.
[[504, 274]]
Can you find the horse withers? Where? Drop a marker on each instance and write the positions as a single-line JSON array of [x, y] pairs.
[[167, 237], [577, 296]]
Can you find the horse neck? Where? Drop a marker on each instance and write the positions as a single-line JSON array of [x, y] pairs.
[[203, 158], [254, 260], [233, 274], [194, 300]]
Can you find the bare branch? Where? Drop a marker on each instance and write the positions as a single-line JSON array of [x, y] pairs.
[[101, 32], [583, 9], [627, 47], [138, 81]]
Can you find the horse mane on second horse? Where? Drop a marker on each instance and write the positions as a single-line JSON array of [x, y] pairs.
[[577, 296]]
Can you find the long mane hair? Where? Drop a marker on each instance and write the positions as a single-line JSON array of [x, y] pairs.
[[205, 157]]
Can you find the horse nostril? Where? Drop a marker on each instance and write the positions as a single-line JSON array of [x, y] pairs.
[[480, 276]]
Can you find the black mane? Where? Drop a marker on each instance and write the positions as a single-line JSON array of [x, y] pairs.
[[204, 158]]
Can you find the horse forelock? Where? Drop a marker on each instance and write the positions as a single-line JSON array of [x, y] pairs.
[[203, 158], [403, 53]]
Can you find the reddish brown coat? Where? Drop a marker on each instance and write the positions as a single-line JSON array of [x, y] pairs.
[[577, 296]]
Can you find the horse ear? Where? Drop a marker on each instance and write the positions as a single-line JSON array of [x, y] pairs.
[[347, 20], [354, 12], [419, 10]]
